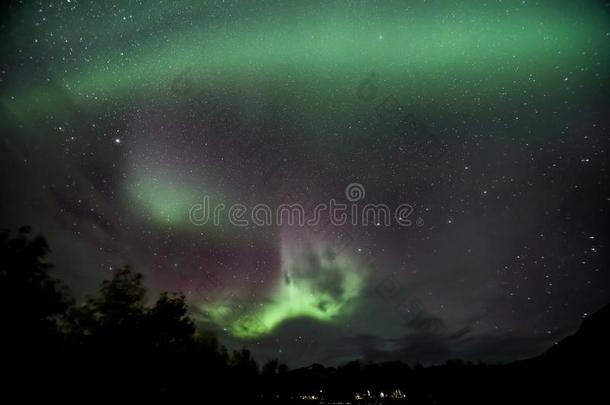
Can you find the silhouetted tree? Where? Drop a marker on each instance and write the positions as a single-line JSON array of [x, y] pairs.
[[270, 368], [31, 302], [31, 305]]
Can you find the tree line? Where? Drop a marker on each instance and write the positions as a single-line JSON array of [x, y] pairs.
[[116, 345]]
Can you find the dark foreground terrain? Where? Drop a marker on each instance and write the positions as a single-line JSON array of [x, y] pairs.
[[114, 346]]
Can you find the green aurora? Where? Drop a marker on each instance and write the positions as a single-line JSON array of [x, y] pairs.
[[300, 293], [309, 59], [317, 49]]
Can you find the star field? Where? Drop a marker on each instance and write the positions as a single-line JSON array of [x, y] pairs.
[[488, 118]]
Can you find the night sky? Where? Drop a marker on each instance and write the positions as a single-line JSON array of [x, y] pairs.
[[488, 120]]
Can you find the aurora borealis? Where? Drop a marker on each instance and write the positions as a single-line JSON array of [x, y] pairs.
[[303, 292], [489, 118]]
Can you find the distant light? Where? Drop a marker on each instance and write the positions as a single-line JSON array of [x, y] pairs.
[[117, 140]]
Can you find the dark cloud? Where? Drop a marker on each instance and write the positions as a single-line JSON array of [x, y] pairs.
[[429, 341]]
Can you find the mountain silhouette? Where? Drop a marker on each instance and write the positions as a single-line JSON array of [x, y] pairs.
[[590, 342], [574, 369]]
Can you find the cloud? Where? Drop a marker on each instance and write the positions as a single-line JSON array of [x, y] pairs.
[[428, 340]]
